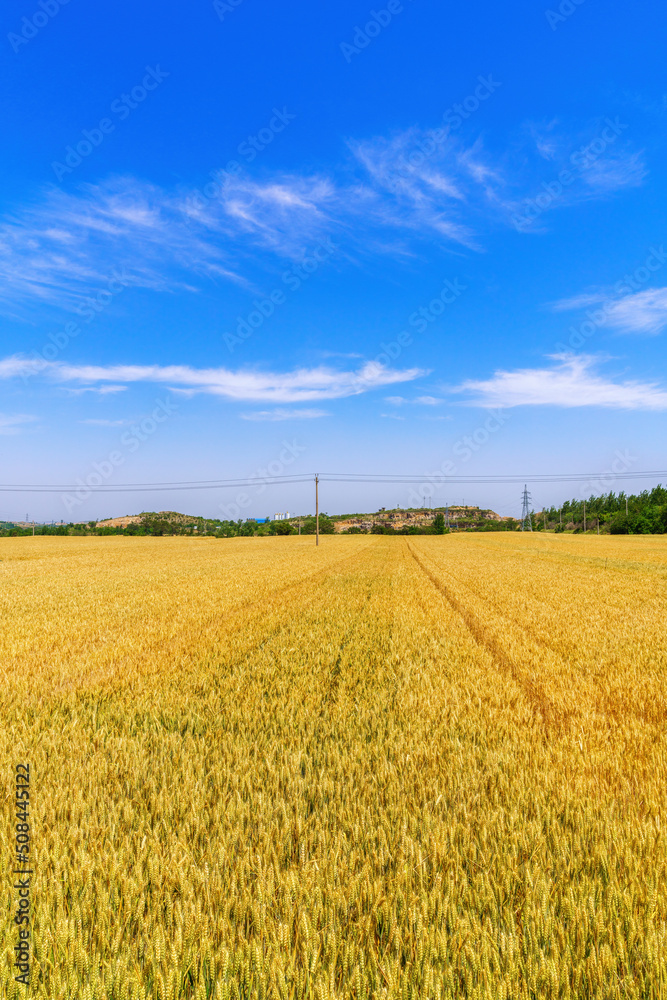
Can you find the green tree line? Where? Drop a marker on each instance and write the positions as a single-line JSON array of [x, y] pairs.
[[643, 513], [158, 525]]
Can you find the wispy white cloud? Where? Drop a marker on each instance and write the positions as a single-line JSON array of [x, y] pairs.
[[615, 171], [14, 423], [425, 180], [428, 401], [299, 385], [282, 214], [416, 182], [283, 414], [545, 138], [107, 423], [578, 301], [558, 165], [388, 196], [100, 390], [599, 152], [643, 312], [67, 245], [570, 382], [418, 400]]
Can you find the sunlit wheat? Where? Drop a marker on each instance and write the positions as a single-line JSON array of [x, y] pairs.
[[388, 767]]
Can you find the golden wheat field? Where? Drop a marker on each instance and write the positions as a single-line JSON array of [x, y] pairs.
[[425, 767]]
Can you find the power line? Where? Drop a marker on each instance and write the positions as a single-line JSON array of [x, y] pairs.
[[331, 477], [574, 477], [160, 487]]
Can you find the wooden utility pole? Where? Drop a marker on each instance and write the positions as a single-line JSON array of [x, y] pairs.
[[584, 515], [317, 509]]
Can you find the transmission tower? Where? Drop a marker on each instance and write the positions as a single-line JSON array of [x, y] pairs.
[[526, 520]]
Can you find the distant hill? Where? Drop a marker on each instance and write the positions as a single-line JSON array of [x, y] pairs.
[[399, 519], [172, 522], [384, 521], [172, 516]]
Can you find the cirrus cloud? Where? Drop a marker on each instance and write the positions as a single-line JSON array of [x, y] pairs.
[[642, 312], [280, 413], [243, 385], [570, 382], [14, 423]]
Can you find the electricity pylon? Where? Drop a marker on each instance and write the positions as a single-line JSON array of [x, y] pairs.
[[526, 519]]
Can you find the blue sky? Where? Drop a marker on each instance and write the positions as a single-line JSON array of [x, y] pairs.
[[245, 238]]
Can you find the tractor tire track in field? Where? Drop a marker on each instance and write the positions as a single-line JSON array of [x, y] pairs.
[[503, 612], [311, 579], [263, 603], [335, 671], [334, 676], [170, 645], [484, 637], [604, 704]]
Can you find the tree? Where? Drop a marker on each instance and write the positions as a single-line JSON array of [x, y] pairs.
[[439, 524], [326, 525]]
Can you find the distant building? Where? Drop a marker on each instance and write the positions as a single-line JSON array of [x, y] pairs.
[[281, 517]]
